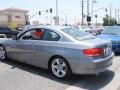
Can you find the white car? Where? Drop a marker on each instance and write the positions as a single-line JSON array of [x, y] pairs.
[[88, 30]]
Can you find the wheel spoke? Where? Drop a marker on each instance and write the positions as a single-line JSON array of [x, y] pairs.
[[1, 49], [63, 65], [58, 73], [58, 61], [63, 72], [2, 53], [54, 66]]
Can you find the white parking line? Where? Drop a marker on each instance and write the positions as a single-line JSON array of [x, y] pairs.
[[74, 88]]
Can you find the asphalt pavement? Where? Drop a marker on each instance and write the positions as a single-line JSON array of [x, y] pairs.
[[19, 76]]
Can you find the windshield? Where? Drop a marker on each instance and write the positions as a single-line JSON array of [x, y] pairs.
[[5, 30], [77, 33], [112, 30]]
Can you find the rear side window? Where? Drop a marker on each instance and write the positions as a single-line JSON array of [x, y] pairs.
[[51, 36]]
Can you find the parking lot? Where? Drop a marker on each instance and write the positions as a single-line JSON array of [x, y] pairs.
[[18, 76]]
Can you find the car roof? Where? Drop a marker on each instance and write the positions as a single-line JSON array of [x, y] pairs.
[[56, 28], [53, 27]]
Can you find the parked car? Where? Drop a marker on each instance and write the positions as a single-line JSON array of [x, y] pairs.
[[62, 50], [88, 30], [112, 33], [98, 29], [27, 27], [7, 31]]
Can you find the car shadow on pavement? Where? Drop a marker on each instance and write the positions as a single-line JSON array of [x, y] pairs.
[[38, 71], [95, 82], [117, 54], [90, 82]]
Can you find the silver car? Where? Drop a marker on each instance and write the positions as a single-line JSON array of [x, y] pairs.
[[62, 50]]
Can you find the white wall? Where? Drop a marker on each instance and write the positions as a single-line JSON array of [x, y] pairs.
[[3, 18], [21, 19]]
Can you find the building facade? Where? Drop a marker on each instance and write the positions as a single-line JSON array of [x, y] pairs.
[[13, 16]]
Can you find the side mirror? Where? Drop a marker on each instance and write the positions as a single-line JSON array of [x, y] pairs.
[[15, 37]]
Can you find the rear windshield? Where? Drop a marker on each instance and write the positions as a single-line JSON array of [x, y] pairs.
[[77, 33]]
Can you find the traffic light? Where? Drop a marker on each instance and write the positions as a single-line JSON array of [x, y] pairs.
[[39, 12], [50, 10], [88, 18]]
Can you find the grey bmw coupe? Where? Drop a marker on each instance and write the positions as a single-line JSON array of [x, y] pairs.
[[62, 50]]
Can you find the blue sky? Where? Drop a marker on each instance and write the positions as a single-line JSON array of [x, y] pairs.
[[69, 8]]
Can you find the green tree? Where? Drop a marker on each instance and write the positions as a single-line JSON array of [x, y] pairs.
[[107, 21]]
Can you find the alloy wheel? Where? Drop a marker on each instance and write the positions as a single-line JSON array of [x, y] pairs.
[[59, 67], [2, 53]]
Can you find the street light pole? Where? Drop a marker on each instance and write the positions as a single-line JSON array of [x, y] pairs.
[[75, 20], [51, 18], [51, 15], [92, 11], [93, 1], [56, 7], [87, 11], [87, 7], [66, 18]]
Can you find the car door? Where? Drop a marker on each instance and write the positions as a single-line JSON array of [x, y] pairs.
[[27, 46], [23, 48], [43, 48]]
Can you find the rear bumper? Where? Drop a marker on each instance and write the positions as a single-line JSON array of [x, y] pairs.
[[92, 67]]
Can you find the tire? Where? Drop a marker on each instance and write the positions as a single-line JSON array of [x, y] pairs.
[[3, 54], [60, 68]]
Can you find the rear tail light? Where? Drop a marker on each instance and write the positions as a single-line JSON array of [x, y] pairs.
[[93, 52]]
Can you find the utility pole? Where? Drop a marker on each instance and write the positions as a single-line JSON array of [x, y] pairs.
[[46, 19], [110, 14], [82, 12], [118, 15], [115, 14], [75, 20], [96, 19], [66, 19]]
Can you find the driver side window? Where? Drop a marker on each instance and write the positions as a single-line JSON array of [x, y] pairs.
[[33, 34]]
